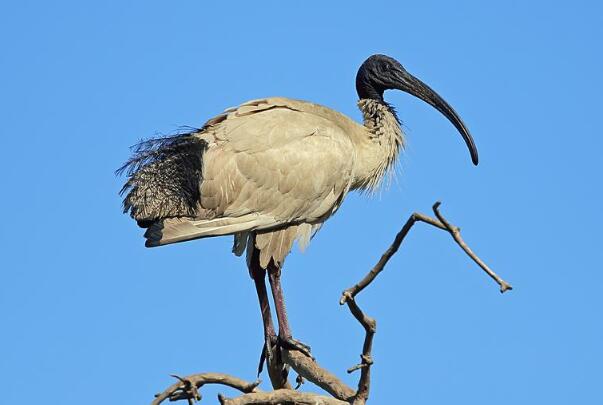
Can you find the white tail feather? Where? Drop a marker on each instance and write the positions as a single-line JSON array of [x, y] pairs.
[[175, 230]]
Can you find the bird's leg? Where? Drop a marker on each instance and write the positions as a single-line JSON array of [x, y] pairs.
[[284, 332], [277, 370], [258, 274], [260, 286]]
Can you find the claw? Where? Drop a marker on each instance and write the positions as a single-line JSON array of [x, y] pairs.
[[299, 380], [267, 352], [292, 344], [262, 360], [273, 342]]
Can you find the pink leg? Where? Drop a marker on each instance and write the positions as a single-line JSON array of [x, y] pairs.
[[284, 331], [258, 274]]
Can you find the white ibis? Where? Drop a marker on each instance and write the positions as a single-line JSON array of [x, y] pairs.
[[270, 172]]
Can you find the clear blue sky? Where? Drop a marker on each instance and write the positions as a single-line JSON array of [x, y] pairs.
[[89, 315]]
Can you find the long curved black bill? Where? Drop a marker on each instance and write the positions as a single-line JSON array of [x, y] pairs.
[[410, 84]]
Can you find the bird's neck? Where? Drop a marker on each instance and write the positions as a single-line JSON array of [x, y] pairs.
[[379, 151]]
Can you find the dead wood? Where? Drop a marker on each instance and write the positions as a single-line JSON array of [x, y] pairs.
[[187, 388]]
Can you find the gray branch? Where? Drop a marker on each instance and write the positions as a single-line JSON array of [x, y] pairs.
[[187, 388]]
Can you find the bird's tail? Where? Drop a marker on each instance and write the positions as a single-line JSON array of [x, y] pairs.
[[164, 175], [173, 230]]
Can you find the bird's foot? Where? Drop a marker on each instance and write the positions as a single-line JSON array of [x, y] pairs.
[[273, 345], [293, 344], [268, 351]]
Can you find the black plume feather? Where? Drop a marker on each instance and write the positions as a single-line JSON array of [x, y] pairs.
[[164, 175]]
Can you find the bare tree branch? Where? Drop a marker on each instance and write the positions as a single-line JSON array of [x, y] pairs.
[[187, 387], [311, 371], [455, 232], [370, 327], [440, 223], [308, 368], [283, 397]]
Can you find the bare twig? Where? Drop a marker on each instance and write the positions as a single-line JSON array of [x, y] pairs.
[[188, 391], [183, 389], [369, 324], [455, 232], [440, 223], [370, 327]]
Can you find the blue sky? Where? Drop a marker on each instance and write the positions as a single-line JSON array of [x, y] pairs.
[[89, 314]]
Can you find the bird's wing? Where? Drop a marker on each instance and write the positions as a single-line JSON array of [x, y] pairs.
[[278, 160], [269, 166]]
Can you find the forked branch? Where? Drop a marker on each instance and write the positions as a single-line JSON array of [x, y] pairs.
[[440, 223], [306, 367]]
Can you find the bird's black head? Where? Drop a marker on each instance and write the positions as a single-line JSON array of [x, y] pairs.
[[377, 74], [380, 72]]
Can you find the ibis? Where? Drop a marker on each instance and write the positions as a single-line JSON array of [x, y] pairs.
[[270, 172]]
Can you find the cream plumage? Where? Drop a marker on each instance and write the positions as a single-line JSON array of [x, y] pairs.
[[279, 167], [271, 171]]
